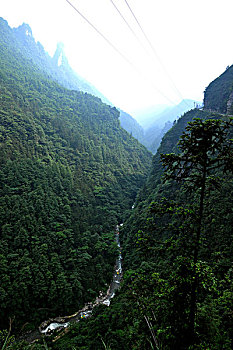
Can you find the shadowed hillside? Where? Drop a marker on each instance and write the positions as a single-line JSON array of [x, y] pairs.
[[69, 173]]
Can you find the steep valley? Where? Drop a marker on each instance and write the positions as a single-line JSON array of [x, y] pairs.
[[70, 175]]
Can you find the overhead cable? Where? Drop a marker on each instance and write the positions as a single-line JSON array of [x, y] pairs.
[[118, 51], [153, 49], [97, 30], [128, 25]]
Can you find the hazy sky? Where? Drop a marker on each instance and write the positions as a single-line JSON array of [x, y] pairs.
[[190, 44]]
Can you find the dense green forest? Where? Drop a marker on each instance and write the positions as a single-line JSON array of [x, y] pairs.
[[69, 174], [177, 290]]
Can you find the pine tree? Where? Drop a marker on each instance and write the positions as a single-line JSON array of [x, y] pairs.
[[204, 147]]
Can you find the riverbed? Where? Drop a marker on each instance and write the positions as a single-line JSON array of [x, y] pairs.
[[47, 327]]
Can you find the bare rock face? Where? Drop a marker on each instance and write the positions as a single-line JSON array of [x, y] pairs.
[[218, 94], [25, 29], [59, 57], [230, 104]]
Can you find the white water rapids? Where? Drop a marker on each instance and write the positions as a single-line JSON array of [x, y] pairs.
[[47, 327]]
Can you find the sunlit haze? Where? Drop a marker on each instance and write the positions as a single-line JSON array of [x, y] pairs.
[[183, 47]]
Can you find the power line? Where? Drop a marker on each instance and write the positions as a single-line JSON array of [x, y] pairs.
[[103, 36], [128, 25], [149, 42], [136, 36], [131, 29], [153, 50], [119, 53]]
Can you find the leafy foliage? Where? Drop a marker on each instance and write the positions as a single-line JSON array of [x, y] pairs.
[[154, 305], [204, 148], [164, 254], [68, 175]]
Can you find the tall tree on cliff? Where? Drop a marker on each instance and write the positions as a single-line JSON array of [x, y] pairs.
[[204, 147]]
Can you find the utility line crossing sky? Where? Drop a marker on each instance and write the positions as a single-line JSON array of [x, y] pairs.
[[138, 53]]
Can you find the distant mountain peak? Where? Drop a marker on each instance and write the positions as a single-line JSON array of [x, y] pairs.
[[25, 29]]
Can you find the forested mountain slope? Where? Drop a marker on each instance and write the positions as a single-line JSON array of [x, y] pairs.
[[65, 163], [159, 240], [177, 291], [68, 175], [58, 68], [132, 126]]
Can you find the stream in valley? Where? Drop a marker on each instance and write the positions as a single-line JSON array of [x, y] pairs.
[[62, 323]]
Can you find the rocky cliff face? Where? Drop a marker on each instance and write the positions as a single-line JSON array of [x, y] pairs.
[[59, 55], [230, 104], [218, 95]]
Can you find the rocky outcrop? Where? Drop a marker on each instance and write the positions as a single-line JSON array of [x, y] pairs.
[[230, 104]]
